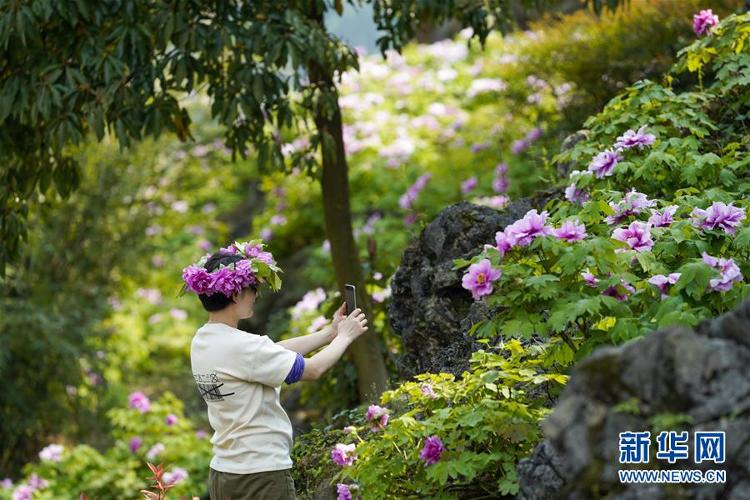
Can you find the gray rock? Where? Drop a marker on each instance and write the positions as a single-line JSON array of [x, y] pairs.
[[699, 373], [429, 309]]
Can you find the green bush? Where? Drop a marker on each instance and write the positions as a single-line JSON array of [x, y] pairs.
[[486, 421], [698, 160]]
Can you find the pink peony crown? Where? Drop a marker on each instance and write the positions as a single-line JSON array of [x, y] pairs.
[[258, 267]]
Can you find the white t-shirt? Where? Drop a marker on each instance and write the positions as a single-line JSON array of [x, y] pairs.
[[239, 375]]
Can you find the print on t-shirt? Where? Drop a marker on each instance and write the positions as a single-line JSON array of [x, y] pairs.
[[209, 385]]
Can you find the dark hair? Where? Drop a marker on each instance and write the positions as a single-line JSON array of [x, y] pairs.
[[218, 301]]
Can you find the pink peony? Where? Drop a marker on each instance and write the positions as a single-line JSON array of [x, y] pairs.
[[719, 215], [197, 279], [504, 241], [469, 184], [427, 391], [589, 278], [139, 401], [343, 454], [604, 163], [614, 291], [518, 146], [576, 195], [53, 453], [664, 218], [729, 273], [704, 21], [171, 419], [432, 450], [570, 231], [637, 236], [23, 492], [155, 451], [479, 278], [530, 227], [135, 443], [176, 475], [631, 204], [631, 139], [344, 491], [378, 416], [663, 282], [37, 482]]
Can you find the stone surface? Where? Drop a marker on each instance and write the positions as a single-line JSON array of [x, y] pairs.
[[700, 373], [429, 308]]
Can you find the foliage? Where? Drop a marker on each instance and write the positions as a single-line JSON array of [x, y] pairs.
[[698, 159], [52, 305], [119, 471], [487, 420]]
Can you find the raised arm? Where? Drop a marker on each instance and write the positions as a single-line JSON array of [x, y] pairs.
[[308, 343], [348, 331]]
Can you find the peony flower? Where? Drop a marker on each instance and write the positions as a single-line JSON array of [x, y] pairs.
[[23, 492], [344, 491], [632, 139], [530, 227], [171, 419], [378, 415], [504, 241], [576, 195], [432, 450], [604, 163], [343, 454], [726, 217], [704, 21], [479, 278], [613, 291], [637, 236], [570, 231], [500, 183], [408, 198], [52, 452], [155, 450], [6, 483], [663, 282], [37, 482], [427, 391], [197, 279], [631, 204], [135, 443], [518, 146], [469, 184], [663, 219], [533, 134], [729, 273], [498, 202], [589, 278], [175, 476], [139, 401]]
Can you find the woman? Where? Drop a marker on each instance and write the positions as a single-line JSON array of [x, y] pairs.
[[239, 374]]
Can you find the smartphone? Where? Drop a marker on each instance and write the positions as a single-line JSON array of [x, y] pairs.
[[351, 298]]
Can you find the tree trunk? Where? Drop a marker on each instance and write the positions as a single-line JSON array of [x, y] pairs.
[[367, 351]]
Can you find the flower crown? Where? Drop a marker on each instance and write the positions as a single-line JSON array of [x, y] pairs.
[[257, 268]]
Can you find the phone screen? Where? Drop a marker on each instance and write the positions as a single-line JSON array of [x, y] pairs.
[[351, 299]]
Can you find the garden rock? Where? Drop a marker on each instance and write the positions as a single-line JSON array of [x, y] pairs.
[[701, 374], [429, 309]]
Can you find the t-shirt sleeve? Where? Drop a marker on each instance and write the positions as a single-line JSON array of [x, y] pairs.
[[266, 362]]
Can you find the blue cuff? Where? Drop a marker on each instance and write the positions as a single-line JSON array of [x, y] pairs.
[[297, 368]]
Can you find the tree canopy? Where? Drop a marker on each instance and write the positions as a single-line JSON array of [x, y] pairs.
[[71, 69]]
